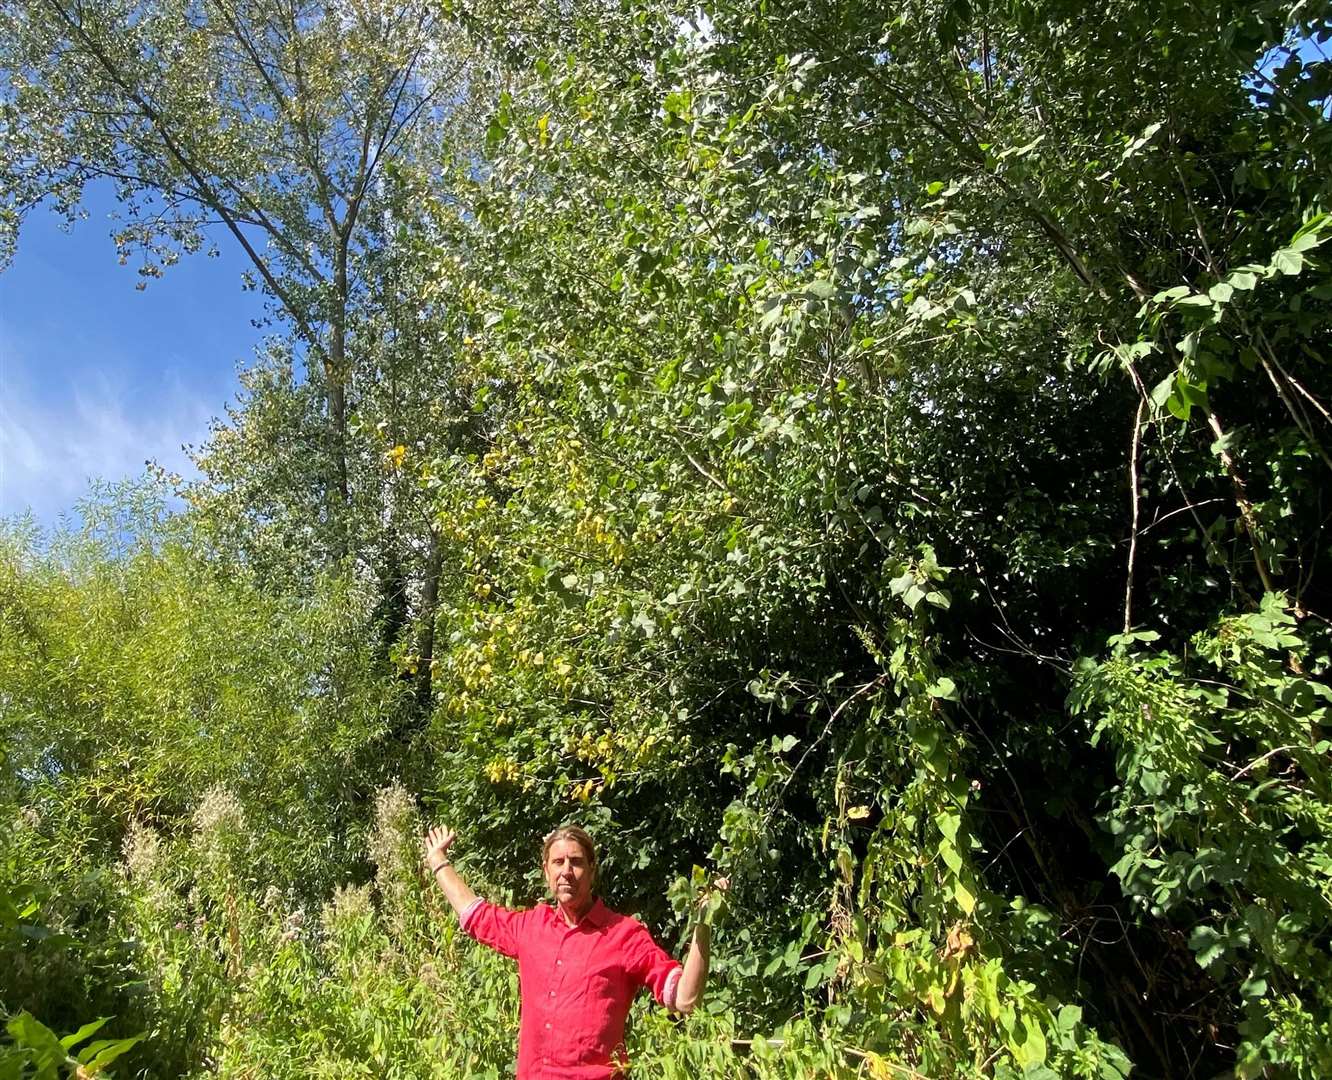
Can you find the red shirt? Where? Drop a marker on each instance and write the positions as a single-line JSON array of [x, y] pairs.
[[575, 983]]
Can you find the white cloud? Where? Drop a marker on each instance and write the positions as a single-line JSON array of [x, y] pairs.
[[88, 427]]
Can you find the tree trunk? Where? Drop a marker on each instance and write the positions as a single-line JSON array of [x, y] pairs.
[[426, 641]]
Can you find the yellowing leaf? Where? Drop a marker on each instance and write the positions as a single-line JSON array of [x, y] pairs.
[[881, 1068], [959, 943]]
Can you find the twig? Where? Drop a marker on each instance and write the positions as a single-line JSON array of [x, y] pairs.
[[1259, 760], [1133, 496], [1241, 500], [876, 681], [1299, 386], [1191, 507]]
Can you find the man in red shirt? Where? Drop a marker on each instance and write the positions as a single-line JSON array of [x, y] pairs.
[[579, 963]]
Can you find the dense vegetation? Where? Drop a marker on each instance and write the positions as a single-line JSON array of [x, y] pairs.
[[879, 455]]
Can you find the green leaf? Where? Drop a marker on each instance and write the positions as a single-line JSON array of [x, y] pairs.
[[1185, 396], [13, 1064], [902, 582], [772, 313], [1033, 1047], [28, 1031], [1173, 293], [71, 1041], [1161, 391], [1304, 241], [1288, 261], [949, 822], [943, 688], [821, 289], [110, 1053], [925, 739], [1207, 944], [1253, 988]]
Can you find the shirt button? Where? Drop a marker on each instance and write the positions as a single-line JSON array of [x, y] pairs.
[[552, 993], [548, 1026], [559, 963]]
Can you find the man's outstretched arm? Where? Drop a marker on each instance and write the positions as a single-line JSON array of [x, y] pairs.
[[695, 975], [437, 843]]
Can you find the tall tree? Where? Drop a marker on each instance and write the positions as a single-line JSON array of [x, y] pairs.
[[270, 122]]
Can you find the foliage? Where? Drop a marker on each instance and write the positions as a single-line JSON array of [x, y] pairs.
[[135, 672], [1221, 818], [38, 1047], [879, 457]]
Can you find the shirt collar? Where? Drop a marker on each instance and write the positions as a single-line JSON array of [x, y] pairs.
[[598, 915]]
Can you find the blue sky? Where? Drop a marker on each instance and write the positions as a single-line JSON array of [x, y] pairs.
[[97, 377]]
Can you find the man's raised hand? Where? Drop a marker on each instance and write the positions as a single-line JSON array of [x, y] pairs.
[[436, 847]]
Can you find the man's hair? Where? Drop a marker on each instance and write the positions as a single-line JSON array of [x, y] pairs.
[[579, 836]]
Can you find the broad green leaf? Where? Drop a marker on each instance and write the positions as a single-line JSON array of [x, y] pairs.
[[110, 1053], [70, 1041], [944, 688], [26, 1030], [1304, 241], [1288, 261], [1175, 292], [949, 822], [1161, 391]]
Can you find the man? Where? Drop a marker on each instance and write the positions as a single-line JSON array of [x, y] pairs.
[[579, 963]]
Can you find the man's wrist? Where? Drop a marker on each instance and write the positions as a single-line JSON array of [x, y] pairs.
[[440, 866]]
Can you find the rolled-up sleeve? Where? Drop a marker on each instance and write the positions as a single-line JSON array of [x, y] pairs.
[[654, 967], [493, 925]]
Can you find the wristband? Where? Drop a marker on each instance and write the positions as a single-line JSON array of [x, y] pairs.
[[440, 867]]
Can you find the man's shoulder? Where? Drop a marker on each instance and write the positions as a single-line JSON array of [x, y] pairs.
[[628, 924]]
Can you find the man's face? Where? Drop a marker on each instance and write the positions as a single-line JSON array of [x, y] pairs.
[[568, 874]]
